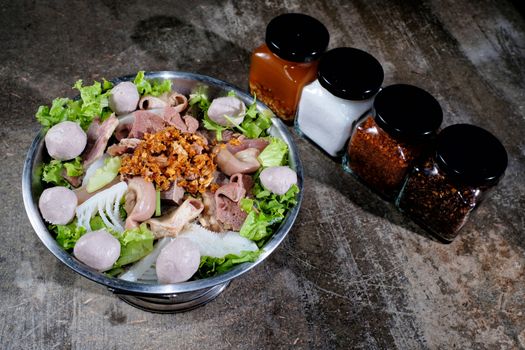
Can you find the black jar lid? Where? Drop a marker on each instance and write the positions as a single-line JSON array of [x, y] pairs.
[[296, 37], [407, 112], [350, 73], [471, 154]]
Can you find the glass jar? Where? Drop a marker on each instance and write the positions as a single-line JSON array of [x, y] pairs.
[[385, 144], [347, 81], [442, 190], [287, 61]]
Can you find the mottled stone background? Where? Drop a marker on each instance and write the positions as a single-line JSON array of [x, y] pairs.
[[353, 273]]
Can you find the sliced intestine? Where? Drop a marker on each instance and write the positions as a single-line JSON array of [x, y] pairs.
[[107, 205], [174, 221]]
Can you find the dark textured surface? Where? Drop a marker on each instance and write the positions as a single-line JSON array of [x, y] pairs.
[[353, 273]]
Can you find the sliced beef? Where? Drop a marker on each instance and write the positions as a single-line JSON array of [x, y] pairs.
[[174, 194], [172, 117], [227, 198], [146, 122], [192, 124]]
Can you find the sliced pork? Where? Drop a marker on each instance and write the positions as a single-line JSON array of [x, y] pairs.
[[97, 139]]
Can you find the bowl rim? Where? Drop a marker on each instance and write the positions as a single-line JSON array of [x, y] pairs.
[[137, 288]]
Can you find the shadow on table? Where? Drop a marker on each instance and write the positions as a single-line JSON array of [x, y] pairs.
[[353, 189]]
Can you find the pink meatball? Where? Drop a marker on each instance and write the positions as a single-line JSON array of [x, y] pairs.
[[229, 106], [124, 98], [65, 141], [57, 205], [178, 261], [278, 179], [97, 249]]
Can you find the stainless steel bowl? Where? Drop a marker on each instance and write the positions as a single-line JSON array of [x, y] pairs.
[[157, 297]]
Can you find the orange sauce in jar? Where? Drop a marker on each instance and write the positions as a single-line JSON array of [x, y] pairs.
[[277, 82], [288, 61]]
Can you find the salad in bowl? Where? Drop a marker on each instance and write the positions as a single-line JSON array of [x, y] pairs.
[[161, 183]]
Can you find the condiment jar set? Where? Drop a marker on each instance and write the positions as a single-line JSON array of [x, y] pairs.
[[389, 138]]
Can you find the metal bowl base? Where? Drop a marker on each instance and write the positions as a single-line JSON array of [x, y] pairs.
[[174, 303]]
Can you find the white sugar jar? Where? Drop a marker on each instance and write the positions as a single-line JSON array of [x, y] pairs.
[[347, 81]]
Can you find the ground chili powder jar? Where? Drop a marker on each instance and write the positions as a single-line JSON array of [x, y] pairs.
[[287, 61], [443, 189], [385, 144]]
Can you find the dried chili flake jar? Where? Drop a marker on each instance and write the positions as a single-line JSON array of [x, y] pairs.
[[287, 61], [347, 81], [442, 190], [385, 144]]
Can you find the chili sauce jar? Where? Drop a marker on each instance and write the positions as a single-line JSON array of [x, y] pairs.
[[347, 81], [287, 61], [385, 144], [442, 190]]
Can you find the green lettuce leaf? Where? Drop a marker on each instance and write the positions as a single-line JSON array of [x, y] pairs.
[[104, 175], [199, 98], [265, 212], [211, 266], [213, 126], [151, 87], [274, 154], [52, 171], [93, 102], [134, 245], [255, 123], [67, 235]]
